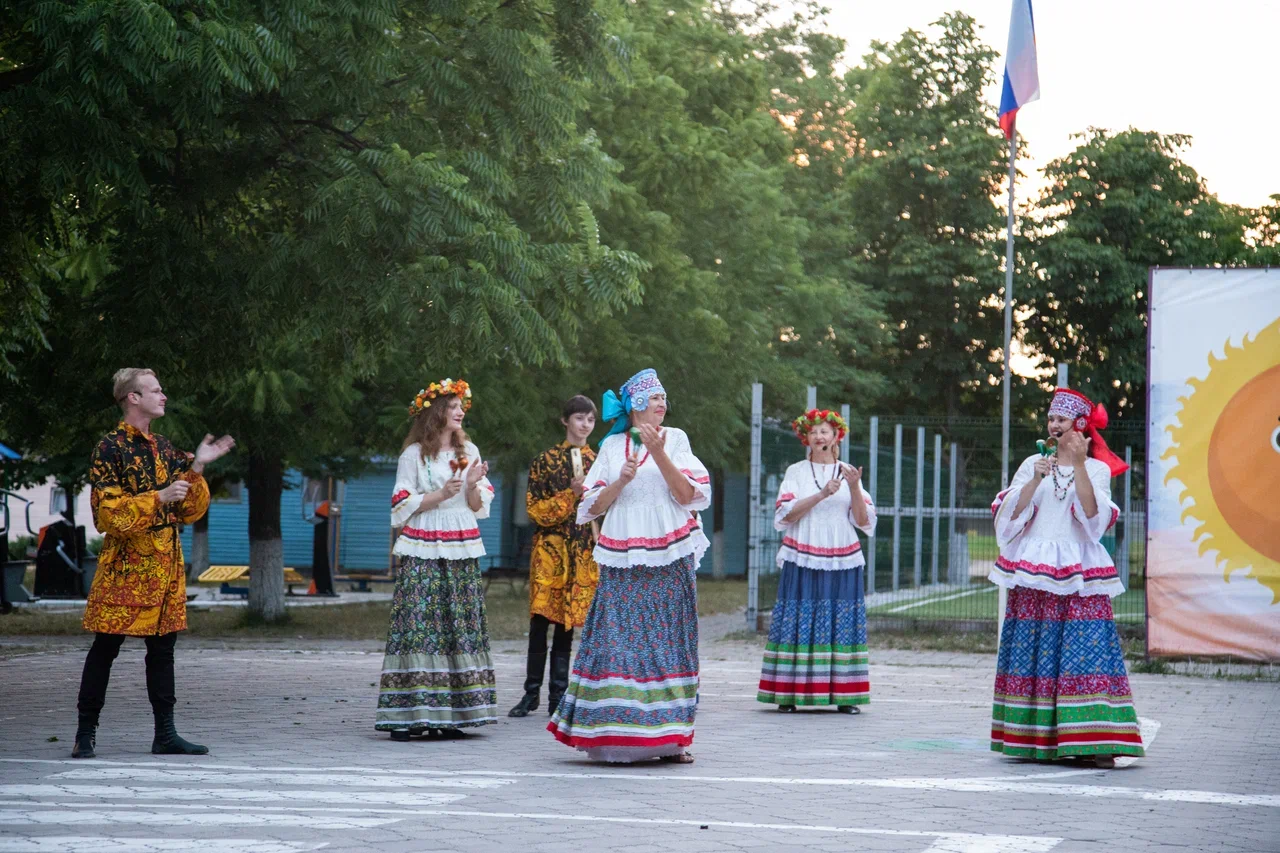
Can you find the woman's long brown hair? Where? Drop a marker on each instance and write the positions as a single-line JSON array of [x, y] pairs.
[[429, 428]]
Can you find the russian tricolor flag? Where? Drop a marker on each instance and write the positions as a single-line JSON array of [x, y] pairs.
[[1021, 77]]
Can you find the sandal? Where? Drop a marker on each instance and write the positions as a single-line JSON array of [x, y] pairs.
[[786, 709], [848, 709], [678, 758]]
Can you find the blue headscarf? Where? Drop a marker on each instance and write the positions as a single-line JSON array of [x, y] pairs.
[[633, 396]]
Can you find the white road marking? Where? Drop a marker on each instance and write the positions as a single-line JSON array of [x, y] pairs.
[[292, 776], [922, 602], [960, 842], [172, 793], [75, 814], [1147, 730], [103, 844]]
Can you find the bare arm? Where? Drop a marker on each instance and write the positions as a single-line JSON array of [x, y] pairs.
[[610, 493], [1029, 488], [681, 489], [1073, 449], [805, 506], [857, 504]]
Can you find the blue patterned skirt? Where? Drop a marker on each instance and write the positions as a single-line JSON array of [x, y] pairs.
[[437, 672], [817, 649], [1061, 685], [634, 687]]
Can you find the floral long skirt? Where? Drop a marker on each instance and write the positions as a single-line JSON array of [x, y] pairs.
[[437, 672], [634, 687], [817, 649], [1061, 687]]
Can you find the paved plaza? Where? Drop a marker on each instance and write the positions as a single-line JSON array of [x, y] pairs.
[[295, 765]]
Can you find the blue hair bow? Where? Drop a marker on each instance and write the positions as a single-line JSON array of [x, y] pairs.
[[614, 408]]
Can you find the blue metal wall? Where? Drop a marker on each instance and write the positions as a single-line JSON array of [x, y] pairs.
[[366, 525]]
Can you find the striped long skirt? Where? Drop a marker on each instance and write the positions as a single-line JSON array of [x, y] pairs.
[[1061, 687], [437, 672], [634, 687], [817, 649]]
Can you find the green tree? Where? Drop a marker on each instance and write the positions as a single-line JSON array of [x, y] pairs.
[[919, 195], [1118, 205], [327, 201]]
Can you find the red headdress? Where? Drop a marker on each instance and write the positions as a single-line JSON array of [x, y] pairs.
[[1088, 417], [812, 418]]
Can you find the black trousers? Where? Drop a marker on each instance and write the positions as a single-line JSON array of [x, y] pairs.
[[97, 671], [561, 640]]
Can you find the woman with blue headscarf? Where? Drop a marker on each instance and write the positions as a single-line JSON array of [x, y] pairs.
[[634, 686]]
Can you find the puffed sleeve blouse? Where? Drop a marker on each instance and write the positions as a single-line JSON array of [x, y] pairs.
[[646, 525], [448, 531]]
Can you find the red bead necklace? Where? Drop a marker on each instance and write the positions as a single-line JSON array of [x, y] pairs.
[[644, 458]]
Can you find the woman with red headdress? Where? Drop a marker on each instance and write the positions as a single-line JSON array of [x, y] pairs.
[[817, 650], [1061, 687]]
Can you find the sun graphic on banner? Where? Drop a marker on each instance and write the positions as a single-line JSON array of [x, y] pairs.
[[1227, 446]]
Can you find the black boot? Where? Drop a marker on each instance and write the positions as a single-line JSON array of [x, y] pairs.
[[532, 685], [86, 735], [559, 683], [167, 741]]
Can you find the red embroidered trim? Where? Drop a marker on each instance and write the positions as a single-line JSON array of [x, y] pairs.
[[1115, 515], [844, 551], [399, 496], [655, 543], [784, 498], [1055, 572], [589, 742], [420, 535], [702, 481]]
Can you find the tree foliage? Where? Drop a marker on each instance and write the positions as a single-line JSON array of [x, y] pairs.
[[1118, 205], [300, 212]]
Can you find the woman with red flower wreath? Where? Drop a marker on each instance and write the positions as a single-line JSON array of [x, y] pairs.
[[437, 675], [1061, 688], [817, 649]]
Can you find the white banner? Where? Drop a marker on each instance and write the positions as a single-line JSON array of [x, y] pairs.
[[1213, 466]]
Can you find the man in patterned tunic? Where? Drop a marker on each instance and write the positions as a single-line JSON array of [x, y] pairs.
[[142, 489], [562, 572]]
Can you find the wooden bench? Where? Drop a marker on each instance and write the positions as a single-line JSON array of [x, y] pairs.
[[226, 574], [360, 580]]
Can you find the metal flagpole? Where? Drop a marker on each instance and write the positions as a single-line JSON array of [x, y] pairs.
[[1008, 343], [1008, 312], [753, 518]]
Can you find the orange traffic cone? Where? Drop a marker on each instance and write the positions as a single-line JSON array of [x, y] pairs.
[[311, 590]]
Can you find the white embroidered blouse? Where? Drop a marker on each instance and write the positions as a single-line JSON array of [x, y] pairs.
[[1052, 546], [827, 536], [646, 525], [449, 531]]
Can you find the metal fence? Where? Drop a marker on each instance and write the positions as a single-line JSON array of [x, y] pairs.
[[933, 480]]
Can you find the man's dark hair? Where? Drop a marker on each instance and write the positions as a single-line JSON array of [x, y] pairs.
[[579, 405]]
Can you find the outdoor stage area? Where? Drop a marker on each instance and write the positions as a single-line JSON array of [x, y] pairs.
[[295, 765]]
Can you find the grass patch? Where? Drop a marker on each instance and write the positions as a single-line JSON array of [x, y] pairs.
[[981, 602], [1150, 666], [506, 606]]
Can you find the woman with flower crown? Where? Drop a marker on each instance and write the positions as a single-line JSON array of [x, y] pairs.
[[817, 650], [1061, 688], [437, 676], [634, 686]]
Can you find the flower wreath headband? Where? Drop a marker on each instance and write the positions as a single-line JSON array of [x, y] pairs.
[[812, 418], [449, 387]]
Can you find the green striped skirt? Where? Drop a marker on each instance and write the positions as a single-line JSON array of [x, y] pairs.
[[437, 672]]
